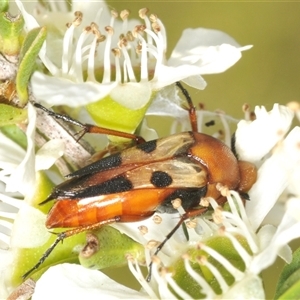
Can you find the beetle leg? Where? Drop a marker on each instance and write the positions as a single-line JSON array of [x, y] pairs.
[[62, 235], [89, 128], [185, 216], [192, 109]]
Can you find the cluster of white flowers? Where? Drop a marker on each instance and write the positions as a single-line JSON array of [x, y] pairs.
[[117, 55]]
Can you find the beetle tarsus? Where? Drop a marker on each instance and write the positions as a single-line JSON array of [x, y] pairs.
[[60, 237]]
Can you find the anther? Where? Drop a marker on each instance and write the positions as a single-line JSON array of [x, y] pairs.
[[143, 229], [143, 12], [157, 219], [124, 14]]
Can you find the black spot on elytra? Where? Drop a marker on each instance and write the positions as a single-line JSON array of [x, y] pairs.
[[161, 179], [147, 147], [118, 184], [103, 164]]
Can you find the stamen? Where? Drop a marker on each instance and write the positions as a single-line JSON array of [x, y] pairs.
[[223, 189], [236, 273], [106, 59], [124, 16], [204, 201], [206, 288], [218, 276], [128, 70], [114, 15], [246, 110], [176, 203], [241, 223], [137, 273], [77, 65], [157, 219], [67, 49], [239, 248], [91, 57], [191, 224], [117, 53], [143, 15], [143, 229], [177, 289], [152, 244], [217, 215]]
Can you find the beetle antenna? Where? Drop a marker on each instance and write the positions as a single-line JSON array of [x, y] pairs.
[[61, 236], [192, 109]]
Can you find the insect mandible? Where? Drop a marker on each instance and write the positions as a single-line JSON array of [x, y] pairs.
[[133, 184]]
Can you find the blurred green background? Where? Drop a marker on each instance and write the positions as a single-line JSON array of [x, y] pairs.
[[266, 74]]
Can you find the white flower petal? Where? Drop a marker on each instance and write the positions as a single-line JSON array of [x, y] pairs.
[[29, 229], [211, 50], [273, 178], [30, 21], [48, 154], [195, 81], [24, 174], [255, 139], [61, 91], [167, 75], [76, 282], [250, 287]]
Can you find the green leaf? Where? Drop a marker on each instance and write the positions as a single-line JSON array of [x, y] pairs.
[[30, 50], [288, 286], [10, 115]]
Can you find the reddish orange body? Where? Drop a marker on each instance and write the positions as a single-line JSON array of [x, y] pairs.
[[122, 187]]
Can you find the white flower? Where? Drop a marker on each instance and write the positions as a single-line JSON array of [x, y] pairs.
[[199, 51]]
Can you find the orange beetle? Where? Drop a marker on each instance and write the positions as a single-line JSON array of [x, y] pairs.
[[134, 184]]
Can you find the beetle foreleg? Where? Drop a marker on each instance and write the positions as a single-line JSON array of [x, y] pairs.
[[62, 235]]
